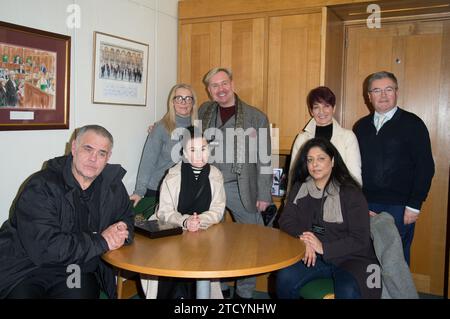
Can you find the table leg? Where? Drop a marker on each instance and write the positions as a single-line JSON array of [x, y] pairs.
[[203, 289], [119, 285]]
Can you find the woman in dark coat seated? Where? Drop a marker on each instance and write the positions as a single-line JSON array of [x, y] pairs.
[[328, 212]]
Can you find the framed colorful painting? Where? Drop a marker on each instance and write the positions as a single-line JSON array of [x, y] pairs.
[[34, 78]]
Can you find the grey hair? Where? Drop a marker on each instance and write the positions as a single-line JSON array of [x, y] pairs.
[[214, 71], [381, 75], [100, 130]]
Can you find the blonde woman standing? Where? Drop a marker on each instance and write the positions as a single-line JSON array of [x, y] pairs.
[[157, 154]]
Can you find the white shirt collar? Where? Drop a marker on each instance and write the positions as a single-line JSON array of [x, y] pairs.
[[388, 114]]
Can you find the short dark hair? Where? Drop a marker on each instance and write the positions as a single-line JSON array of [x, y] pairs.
[[190, 133], [321, 94], [100, 130], [339, 173], [381, 75]]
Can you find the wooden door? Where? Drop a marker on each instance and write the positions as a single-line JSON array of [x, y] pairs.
[[417, 52], [237, 44], [293, 70], [243, 48], [199, 51]]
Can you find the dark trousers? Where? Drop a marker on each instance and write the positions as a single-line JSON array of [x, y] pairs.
[[291, 279], [43, 284], [176, 288], [406, 231]]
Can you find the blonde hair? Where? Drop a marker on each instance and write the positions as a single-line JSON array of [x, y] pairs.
[[214, 71], [168, 119]]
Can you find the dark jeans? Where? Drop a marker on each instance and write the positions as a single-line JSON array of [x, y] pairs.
[[406, 231], [40, 284], [291, 279]]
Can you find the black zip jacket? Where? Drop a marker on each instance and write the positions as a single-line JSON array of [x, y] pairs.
[[43, 229]]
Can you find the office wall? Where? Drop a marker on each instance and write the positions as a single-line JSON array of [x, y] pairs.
[[149, 21]]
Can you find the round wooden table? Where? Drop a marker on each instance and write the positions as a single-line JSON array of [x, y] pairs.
[[224, 250]]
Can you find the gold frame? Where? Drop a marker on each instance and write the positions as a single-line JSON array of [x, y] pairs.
[[35, 108]]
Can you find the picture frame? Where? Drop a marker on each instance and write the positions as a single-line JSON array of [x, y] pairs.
[[34, 78], [276, 182], [120, 70]]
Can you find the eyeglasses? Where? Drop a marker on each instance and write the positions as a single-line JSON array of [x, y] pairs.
[[186, 99], [388, 91]]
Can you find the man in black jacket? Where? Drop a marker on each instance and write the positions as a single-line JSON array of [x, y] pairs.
[[67, 216], [397, 163]]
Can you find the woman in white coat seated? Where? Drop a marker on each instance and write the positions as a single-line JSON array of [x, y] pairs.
[[321, 105], [192, 196]]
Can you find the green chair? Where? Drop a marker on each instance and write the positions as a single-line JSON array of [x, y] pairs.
[[146, 207], [318, 289]]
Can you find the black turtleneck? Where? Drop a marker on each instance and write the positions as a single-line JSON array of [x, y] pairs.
[[324, 131]]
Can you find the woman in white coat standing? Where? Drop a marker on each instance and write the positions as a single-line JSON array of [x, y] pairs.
[[321, 104]]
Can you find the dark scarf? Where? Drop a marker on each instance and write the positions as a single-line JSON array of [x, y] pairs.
[[195, 195], [87, 210], [86, 202]]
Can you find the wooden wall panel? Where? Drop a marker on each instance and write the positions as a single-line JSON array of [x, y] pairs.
[[293, 70], [243, 50], [362, 58], [443, 153], [210, 8], [199, 51], [333, 56]]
